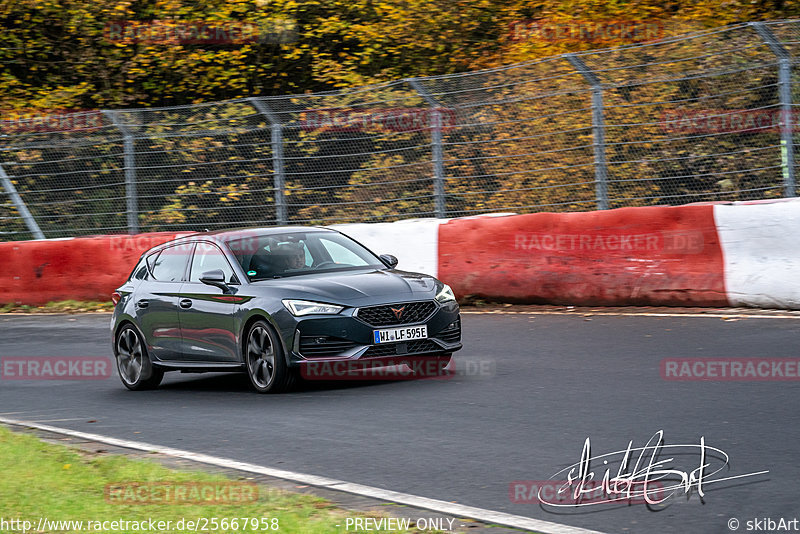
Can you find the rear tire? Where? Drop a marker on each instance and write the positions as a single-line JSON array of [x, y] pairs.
[[266, 365], [135, 369]]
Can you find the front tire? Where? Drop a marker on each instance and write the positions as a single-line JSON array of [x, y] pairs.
[[266, 365], [133, 364]]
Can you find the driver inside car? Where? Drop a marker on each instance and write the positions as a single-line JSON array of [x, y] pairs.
[[293, 255]]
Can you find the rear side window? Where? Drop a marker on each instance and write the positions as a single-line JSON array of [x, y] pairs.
[[140, 272], [170, 264]]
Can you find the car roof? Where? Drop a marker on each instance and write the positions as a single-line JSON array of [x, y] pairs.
[[225, 235]]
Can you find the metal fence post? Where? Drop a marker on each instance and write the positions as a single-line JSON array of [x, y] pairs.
[[129, 165], [439, 202], [30, 222], [277, 157], [785, 97], [598, 130]]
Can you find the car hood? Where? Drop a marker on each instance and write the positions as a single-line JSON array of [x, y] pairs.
[[353, 286]]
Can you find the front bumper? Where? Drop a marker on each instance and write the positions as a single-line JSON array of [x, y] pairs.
[[348, 337]]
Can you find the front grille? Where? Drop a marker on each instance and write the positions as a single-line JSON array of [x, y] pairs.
[[324, 346], [418, 346], [410, 312], [451, 334]]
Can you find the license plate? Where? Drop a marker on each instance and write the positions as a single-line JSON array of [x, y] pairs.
[[391, 335]]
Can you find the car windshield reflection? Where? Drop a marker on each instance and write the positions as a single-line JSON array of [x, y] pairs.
[[279, 255]]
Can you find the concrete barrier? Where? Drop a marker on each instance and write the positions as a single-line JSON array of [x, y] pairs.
[[761, 249], [629, 256], [85, 268], [414, 242]]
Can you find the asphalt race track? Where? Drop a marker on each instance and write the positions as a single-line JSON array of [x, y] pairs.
[[546, 384]]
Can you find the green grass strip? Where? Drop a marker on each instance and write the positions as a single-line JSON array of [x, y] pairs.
[[59, 483]]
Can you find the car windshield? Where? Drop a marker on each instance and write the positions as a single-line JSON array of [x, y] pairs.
[[291, 254]]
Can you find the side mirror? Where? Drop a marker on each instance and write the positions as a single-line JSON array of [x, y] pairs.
[[215, 278], [389, 260]]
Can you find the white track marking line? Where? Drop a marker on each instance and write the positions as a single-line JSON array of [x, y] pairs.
[[458, 510], [58, 420], [37, 413]]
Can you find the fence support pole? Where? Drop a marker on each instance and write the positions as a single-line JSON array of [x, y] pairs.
[[129, 165], [439, 203], [279, 183], [30, 222], [598, 130], [785, 97]]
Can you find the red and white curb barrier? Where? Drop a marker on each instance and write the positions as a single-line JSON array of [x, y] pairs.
[[742, 254], [761, 253], [629, 256]]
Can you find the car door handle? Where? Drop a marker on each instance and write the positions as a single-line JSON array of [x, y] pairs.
[[186, 303], [142, 303]]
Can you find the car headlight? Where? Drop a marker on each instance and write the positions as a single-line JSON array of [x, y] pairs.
[[307, 307], [445, 294]]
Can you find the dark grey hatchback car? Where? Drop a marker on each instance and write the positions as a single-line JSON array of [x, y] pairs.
[[273, 302]]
